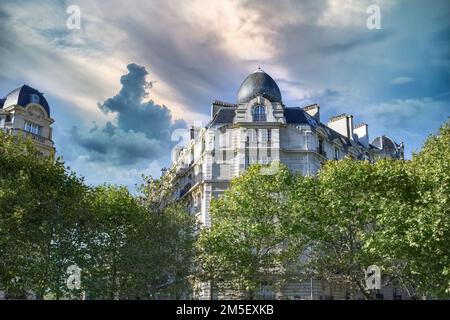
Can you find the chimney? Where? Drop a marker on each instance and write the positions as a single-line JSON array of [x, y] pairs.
[[313, 110], [194, 132], [362, 132], [342, 124]]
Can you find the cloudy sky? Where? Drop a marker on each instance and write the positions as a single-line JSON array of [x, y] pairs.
[[137, 70]]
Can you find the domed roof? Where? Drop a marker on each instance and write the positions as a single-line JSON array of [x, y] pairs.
[[25, 95], [259, 83], [385, 143]]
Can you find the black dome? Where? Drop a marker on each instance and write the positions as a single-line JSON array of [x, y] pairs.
[[259, 83], [23, 96]]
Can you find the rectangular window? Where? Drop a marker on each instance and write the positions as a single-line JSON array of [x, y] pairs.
[[321, 148], [263, 135], [336, 153], [32, 127], [269, 135], [253, 135], [225, 140], [210, 142]]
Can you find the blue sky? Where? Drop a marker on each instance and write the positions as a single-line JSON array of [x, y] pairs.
[[137, 70]]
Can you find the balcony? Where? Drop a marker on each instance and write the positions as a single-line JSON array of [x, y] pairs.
[[193, 182], [26, 134], [185, 189], [181, 169], [197, 178]]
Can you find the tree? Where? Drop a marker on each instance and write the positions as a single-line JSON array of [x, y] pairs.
[[251, 238], [392, 213], [38, 220], [347, 215], [337, 212], [416, 229], [168, 236], [126, 246], [274, 228], [117, 218]]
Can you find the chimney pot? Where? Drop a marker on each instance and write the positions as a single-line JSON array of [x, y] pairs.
[[313, 110], [342, 124]]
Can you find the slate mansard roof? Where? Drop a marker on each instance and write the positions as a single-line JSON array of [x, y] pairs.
[[22, 96], [260, 83], [225, 115], [293, 116]]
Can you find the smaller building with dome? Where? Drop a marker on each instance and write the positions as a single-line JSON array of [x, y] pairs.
[[25, 111], [259, 128]]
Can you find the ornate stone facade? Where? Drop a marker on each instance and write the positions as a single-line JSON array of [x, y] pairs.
[[260, 128]]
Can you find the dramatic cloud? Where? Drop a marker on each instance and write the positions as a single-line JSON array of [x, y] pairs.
[[319, 51], [141, 130]]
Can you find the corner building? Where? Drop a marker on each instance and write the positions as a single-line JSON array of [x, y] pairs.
[[25, 111], [259, 128]]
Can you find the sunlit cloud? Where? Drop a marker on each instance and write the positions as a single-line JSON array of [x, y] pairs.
[[318, 51]]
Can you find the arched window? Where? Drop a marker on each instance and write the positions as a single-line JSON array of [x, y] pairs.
[[259, 114], [34, 98]]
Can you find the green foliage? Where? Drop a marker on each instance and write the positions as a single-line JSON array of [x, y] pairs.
[[170, 233], [339, 221], [125, 245], [415, 224], [394, 214], [172, 266], [432, 219], [251, 236], [353, 214], [116, 219], [37, 219]]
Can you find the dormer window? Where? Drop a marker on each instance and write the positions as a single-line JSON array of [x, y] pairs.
[[259, 114], [34, 98]]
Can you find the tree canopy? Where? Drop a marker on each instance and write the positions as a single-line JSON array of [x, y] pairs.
[[51, 220], [251, 238], [266, 229], [353, 214]]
